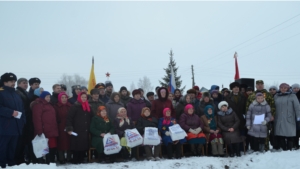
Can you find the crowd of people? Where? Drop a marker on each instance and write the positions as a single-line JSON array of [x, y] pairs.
[[236, 119]]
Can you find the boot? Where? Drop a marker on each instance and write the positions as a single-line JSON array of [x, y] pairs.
[[169, 151], [199, 149], [148, 151], [220, 149], [230, 150], [237, 149], [178, 151], [262, 147], [214, 150], [156, 151], [290, 145], [125, 154], [193, 149], [101, 158], [282, 143]]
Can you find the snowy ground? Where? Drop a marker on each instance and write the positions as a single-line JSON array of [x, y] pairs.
[[268, 160]]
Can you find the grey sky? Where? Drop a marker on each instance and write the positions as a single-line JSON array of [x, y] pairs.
[[132, 39]]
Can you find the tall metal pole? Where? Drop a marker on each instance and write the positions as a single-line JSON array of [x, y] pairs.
[[193, 77]]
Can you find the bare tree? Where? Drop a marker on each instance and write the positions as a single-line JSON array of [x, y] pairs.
[[145, 84], [71, 80], [267, 86], [132, 87]]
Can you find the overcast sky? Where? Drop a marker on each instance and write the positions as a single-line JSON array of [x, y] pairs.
[[132, 39]]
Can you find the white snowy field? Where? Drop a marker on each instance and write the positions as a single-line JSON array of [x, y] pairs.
[[268, 160]]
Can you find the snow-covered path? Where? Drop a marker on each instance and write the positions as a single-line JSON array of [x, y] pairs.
[[276, 160]]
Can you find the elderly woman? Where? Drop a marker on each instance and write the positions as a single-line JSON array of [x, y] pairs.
[[146, 120], [287, 110], [192, 124], [62, 108], [100, 126], [163, 126], [229, 123], [113, 105], [185, 100], [121, 123]]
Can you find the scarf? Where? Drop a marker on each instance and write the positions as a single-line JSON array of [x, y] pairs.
[[122, 118], [60, 95], [105, 118], [210, 117], [167, 120], [85, 105]]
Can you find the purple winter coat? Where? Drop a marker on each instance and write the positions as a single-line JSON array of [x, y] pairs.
[[188, 121], [134, 109]]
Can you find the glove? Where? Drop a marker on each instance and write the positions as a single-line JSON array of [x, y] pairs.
[[264, 122], [248, 127], [167, 133], [192, 131], [198, 130]]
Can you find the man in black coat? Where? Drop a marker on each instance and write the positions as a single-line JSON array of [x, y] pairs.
[[34, 84], [12, 119], [24, 142], [56, 90]]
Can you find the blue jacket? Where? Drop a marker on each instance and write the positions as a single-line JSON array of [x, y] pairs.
[[164, 128], [10, 101]]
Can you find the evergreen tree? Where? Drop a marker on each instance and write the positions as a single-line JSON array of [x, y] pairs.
[[166, 79]]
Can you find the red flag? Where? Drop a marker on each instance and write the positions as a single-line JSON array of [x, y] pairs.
[[237, 73]]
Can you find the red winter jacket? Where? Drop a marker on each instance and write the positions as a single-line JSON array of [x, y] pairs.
[[159, 104], [44, 118]]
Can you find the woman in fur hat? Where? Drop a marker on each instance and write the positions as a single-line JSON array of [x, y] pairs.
[[229, 122]]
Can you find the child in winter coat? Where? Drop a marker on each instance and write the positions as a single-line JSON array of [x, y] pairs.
[[215, 138], [258, 131], [163, 126]]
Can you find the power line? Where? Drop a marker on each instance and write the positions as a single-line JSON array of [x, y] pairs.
[[252, 38]]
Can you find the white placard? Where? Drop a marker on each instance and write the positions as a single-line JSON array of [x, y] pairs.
[[258, 119]]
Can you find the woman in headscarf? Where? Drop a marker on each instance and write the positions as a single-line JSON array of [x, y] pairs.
[[214, 136], [192, 124], [100, 126], [121, 123], [79, 121], [63, 140], [287, 110], [113, 105], [146, 120], [163, 126]]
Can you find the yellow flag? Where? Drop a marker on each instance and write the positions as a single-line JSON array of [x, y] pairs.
[[92, 81]]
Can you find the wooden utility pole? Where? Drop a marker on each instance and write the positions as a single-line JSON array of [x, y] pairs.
[[193, 77]]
